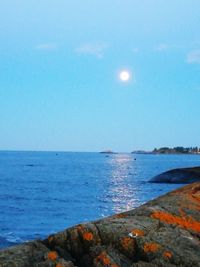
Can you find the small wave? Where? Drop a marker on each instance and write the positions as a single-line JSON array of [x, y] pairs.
[[9, 239], [34, 165]]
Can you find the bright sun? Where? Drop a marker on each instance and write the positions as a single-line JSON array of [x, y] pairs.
[[124, 76]]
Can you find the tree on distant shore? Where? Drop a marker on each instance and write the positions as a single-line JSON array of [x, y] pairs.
[[178, 150]]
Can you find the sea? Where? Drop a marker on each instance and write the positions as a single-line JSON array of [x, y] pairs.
[[45, 192]]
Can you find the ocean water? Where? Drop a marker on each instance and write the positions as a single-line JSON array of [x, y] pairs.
[[46, 192]]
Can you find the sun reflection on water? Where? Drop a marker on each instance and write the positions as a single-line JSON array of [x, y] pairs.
[[122, 190]]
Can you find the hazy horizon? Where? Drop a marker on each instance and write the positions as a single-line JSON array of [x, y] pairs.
[[60, 86]]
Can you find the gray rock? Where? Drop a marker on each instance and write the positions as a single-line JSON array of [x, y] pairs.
[[165, 232], [178, 176]]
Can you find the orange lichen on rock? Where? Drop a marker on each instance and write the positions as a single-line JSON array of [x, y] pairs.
[[185, 222], [167, 254], [138, 232], [120, 216], [196, 189], [52, 255], [194, 202], [59, 265], [151, 247], [88, 236], [193, 195], [188, 190], [128, 243], [103, 258]]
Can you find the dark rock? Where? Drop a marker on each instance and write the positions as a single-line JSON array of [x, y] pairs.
[[178, 176], [165, 232]]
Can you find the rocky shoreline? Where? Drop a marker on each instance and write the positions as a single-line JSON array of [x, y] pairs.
[[163, 232]]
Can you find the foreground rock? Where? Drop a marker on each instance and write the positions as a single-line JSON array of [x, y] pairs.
[[178, 176], [163, 232]]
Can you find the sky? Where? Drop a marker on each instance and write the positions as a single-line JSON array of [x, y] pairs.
[[59, 74]]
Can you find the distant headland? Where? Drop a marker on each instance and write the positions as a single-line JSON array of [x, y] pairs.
[[169, 150], [107, 152]]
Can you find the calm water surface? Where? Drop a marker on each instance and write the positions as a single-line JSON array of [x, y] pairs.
[[45, 192]]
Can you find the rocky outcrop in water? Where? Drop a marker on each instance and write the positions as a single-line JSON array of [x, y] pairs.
[[164, 232], [178, 176]]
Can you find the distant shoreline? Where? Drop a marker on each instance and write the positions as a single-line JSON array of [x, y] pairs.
[[179, 150], [153, 153]]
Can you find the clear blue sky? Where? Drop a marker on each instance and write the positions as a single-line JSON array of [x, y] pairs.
[[59, 67]]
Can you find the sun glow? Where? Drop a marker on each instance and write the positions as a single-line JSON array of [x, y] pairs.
[[124, 76]]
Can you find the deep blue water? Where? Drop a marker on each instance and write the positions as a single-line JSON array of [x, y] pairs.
[[45, 192]]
